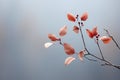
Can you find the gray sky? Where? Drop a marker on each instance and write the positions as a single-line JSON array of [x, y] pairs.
[[24, 25]]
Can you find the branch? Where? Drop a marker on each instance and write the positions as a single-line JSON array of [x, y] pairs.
[[101, 59], [70, 51]]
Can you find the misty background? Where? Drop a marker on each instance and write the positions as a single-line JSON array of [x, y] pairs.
[[24, 25]]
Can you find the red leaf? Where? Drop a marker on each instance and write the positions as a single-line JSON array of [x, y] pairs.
[[52, 37], [69, 50], [71, 17], [105, 39], [76, 29], [68, 60], [89, 33], [94, 31], [63, 31], [81, 55], [84, 16]]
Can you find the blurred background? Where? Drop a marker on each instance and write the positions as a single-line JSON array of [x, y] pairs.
[[24, 25]]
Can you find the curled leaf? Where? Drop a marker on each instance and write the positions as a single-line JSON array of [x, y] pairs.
[[105, 39], [52, 37], [68, 60], [81, 55], [84, 16], [71, 17], [92, 33], [76, 29], [48, 44], [63, 31], [69, 50]]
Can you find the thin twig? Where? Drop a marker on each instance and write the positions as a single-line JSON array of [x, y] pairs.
[[112, 38], [85, 56], [82, 37], [109, 63], [100, 49]]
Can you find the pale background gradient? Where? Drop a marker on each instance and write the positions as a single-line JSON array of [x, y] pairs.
[[24, 25]]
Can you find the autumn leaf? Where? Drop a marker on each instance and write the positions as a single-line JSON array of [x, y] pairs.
[[92, 33], [69, 50], [52, 37], [81, 55], [105, 39], [89, 33], [84, 16], [71, 17], [48, 44], [76, 29], [63, 31], [68, 60]]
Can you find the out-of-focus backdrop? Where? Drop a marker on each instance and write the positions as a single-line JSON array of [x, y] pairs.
[[24, 25]]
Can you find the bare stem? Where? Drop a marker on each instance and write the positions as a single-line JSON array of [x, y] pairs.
[[89, 58], [82, 37], [100, 49], [106, 62]]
